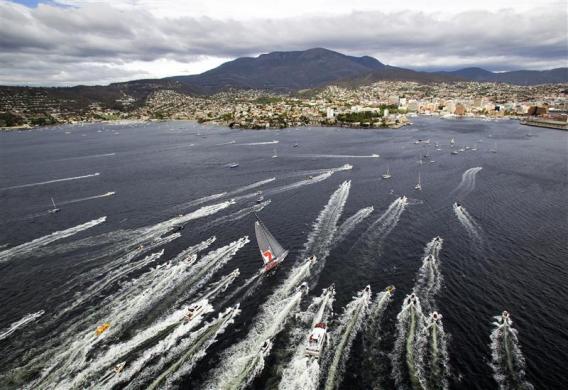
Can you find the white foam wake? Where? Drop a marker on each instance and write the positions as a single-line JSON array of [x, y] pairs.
[[24, 249], [373, 237], [324, 229], [351, 223], [342, 338], [471, 226], [235, 216], [429, 279], [260, 143], [432, 363], [303, 373], [467, 184], [51, 181], [244, 361], [191, 350], [136, 298], [338, 156], [410, 324], [105, 195], [508, 362], [25, 320]]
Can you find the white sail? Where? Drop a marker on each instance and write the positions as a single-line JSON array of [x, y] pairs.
[[270, 249]]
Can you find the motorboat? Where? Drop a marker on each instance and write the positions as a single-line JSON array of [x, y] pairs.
[[119, 367], [194, 310], [102, 328], [316, 340], [233, 165], [271, 251]]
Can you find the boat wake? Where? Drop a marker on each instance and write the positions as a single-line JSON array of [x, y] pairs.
[[28, 247], [105, 195], [432, 361], [472, 228], [51, 181], [373, 370], [337, 156], [429, 279], [410, 325], [28, 318], [235, 216], [260, 143], [302, 373], [372, 239], [128, 306], [467, 184], [351, 223], [342, 338], [244, 361], [508, 362], [321, 238]]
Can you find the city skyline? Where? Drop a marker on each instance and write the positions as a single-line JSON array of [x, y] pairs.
[[69, 42]]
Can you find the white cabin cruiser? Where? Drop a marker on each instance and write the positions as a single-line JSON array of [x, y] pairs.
[[316, 340]]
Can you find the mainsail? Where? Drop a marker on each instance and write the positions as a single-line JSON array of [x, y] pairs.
[[270, 249]]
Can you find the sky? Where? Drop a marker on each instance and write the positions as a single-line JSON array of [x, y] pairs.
[[70, 42]]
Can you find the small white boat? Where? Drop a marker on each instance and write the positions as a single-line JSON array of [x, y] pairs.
[[452, 142], [119, 367], [275, 154], [454, 152], [266, 347], [418, 186], [316, 340], [387, 174], [54, 209], [194, 310], [233, 165]]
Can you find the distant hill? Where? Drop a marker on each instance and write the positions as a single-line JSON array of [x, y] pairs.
[[518, 77], [294, 70]]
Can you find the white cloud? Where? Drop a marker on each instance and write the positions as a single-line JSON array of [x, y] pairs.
[[94, 42]]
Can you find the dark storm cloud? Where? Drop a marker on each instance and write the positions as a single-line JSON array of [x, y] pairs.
[[93, 43]]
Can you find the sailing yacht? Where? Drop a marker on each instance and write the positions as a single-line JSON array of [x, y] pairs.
[[387, 174], [452, 142], [418, 186], [271, 251], [54, 209]]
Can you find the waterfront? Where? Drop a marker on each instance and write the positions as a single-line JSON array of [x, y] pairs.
[[155, 169]]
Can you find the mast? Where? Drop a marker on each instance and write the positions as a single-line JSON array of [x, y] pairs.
[[53, 202]]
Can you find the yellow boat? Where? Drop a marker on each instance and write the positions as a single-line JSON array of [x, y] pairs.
[[102, 328]]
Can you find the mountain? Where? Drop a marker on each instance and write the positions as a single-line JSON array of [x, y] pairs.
[[295, 70], [518, 77]]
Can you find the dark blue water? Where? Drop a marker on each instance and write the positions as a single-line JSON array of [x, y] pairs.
[[518, 263]]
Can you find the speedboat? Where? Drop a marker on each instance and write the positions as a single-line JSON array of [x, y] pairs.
[[266, 347], [194, 310], [413, 299], [312, 258], [271, 251], [390, 289], [102, 328], [454, 152], [316, 340], [119, 367], [303, 288], [233, 165], [259, 199], [435, 316], [296, 145]]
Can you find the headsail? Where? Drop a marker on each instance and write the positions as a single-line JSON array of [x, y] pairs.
[[270, 249]]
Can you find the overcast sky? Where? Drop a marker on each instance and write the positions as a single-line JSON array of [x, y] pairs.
[[68, 42]]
